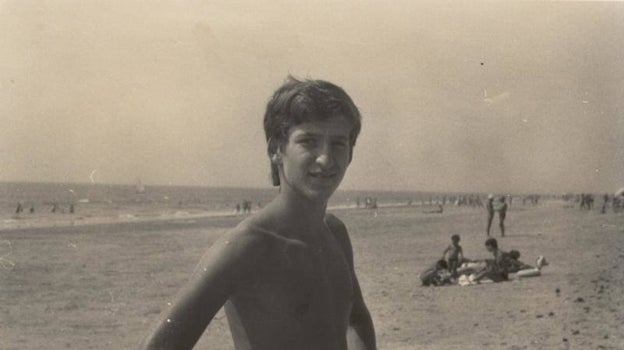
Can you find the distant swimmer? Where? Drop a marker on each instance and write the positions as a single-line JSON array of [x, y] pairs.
[[32, 209], [19, 208]]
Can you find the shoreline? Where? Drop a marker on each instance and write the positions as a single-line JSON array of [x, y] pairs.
[[182, 218], [26, 223]]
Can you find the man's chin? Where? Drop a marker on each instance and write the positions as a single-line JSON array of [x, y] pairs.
[[321, 194]]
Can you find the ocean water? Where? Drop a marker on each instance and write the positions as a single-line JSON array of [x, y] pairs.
[[127, 201]]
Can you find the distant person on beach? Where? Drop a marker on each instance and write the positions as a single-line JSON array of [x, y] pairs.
[[438, 210], [453, 255], [605, 201], [500, 267], [436, 275], [512, 264], [19, 208], [489, 206], [502, 213], [617, 202], [495, 268], [590, 201], [285, 275]]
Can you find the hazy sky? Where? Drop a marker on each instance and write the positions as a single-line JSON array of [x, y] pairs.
[[471, 96]]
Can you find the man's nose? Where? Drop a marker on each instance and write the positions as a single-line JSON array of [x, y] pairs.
[[325, 157]]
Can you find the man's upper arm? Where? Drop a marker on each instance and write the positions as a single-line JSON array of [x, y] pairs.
[[228, 262], [361, 324], [340, 233]]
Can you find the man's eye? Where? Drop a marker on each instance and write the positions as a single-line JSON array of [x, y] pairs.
[[306, 141]]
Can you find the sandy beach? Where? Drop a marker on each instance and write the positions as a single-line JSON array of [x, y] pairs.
[[101, 286]]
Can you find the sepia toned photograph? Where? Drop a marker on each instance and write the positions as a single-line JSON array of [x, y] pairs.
[[326, 175]]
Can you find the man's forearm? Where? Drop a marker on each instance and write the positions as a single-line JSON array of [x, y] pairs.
[[362, 332]]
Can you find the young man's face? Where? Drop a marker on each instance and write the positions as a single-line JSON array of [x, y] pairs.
[[315, 157]]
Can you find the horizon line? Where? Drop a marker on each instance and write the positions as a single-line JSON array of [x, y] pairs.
[[454, 192]]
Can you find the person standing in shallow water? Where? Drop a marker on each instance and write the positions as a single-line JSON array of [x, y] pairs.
[[285, 274]]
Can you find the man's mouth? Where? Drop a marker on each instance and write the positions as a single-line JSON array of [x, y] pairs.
[[323, 175]]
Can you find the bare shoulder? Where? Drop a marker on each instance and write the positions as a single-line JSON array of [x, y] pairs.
[[335, 224], [248, 238], [238, 251], [256, 237], [339, 231]]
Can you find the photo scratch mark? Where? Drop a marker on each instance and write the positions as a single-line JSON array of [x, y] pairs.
[[6, 250]]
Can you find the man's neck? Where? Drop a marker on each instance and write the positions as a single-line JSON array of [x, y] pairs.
[[298, 212]]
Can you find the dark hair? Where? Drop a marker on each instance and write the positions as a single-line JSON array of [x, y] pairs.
[[455, 237], [441, 264], [514, 254], [299, 101], [492, 242]]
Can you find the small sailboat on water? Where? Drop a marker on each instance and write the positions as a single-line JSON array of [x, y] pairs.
[[140, 188]]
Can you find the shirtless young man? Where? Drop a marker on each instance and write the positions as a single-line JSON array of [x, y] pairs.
[[285, 275], [494, 268]]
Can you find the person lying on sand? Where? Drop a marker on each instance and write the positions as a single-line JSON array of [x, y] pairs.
[[439, 210], [508, 264], [520, 269], [285, 274], [436, 275]]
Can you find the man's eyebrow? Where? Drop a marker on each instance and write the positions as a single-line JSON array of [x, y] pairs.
[[316, 134], [306, 134], [341, 137]]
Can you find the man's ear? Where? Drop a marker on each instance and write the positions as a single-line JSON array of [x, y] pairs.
[[275, 158], [272, 146]]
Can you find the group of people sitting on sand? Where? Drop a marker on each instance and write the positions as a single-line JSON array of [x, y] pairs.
[[454, 268]]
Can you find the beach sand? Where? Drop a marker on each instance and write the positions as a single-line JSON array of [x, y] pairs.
[[102, 286]]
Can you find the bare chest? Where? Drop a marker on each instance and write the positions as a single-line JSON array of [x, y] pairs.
[[303, 284]]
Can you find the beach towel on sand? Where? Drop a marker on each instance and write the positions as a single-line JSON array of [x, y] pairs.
[[465, 280]]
